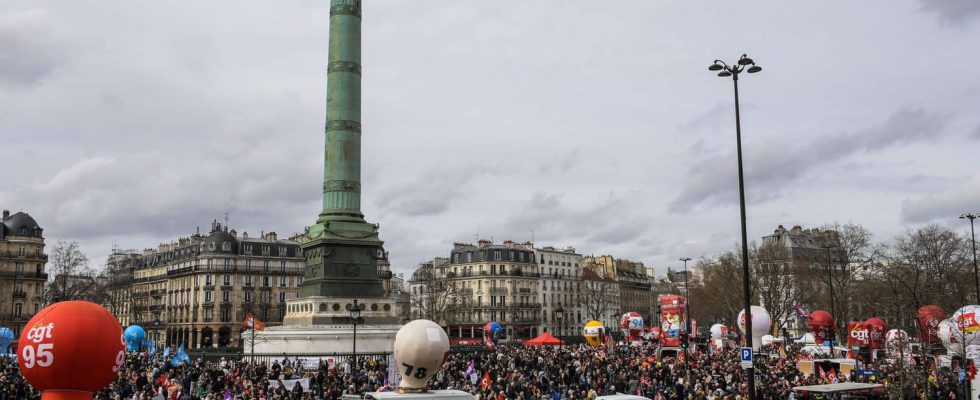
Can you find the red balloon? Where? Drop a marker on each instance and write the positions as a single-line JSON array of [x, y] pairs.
[[929, 319], [71, 349], [822, 325], [877, 328]]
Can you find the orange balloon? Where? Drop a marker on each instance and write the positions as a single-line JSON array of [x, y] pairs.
[[71, 349]]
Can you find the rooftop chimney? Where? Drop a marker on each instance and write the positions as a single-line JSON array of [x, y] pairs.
[[6, 214]]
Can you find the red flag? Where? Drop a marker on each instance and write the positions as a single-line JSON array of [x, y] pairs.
[[485, 382], [833, 375], [252, 322], [488, 341], [823, 375], [972, 370]]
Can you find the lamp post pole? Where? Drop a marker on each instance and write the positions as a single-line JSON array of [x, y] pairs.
[[973, 241], [830, 281], [687, 323], [745, 64], [355, 314]]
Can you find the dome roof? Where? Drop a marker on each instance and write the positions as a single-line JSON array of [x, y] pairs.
[[220, 242], [21, 224], [422, 273]]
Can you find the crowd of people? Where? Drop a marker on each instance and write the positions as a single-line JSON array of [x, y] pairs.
[[510, 372]]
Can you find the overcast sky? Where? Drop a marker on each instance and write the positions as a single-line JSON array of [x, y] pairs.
[[594, 124]]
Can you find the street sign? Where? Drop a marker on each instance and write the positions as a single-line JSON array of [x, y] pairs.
[[746, 355]]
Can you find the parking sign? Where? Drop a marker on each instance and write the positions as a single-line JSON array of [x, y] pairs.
[[746, 355]]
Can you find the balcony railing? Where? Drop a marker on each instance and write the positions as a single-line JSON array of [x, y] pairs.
[[20, 295], [158, 292], [498, 290], [23, 275], [24, 256]]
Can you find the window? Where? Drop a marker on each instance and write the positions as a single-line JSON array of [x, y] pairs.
[[208, 296], [469, 257], [228, 264], [225, 315], [299, 281], [210, 264], [208, 280], [248, 280], [265, 281], [248, 296], [18, 308], [19, 267], [265, 266], [248, 265], [248, 248], [282, 281], [226, 295], [22, 251], [265, 250], [496, 255], [226, 280], [282, 265], [282, 297], [207, 315], [282, 251]]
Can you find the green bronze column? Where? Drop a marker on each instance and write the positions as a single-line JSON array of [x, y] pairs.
[[343, 252], [342, 165]]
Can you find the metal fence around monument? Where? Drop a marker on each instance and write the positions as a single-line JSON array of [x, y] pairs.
[[309, 358]]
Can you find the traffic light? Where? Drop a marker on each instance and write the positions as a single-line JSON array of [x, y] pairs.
[[683, 340]]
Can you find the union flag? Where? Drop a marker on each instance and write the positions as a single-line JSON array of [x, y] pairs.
[[485, 382], [252, 322]]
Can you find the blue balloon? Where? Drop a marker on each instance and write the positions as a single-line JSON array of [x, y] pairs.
[[6, 338], [134, 337]]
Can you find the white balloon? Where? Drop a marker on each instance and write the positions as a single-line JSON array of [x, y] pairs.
[[719, 331], [966, 326], [767, 340], [420, 350], [761, 321], [950, 337]]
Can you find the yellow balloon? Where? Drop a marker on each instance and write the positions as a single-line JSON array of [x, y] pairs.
[[593, 332]]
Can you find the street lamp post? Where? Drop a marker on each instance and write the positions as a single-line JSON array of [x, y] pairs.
[[355, 315], [973, 241], [744, 64], [830, 281], [687, 322], [560, 315]]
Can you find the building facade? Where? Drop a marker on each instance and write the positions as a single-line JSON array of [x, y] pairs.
[[634, 284], [120, 265], [22, 273], [789, 256], [560, 271], [491, 282], [197, 290]]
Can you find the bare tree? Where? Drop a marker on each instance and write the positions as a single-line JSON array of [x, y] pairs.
[[775, 279], [597, 294], [850, 257], [928, 266], [433, 297], [718, 291], [71, 277]]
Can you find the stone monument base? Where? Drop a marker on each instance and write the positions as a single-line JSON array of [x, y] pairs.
[[320, 324]]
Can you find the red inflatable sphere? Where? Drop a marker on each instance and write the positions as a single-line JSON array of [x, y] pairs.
[[929, 319], [71, 349], [877, 328], [822, 325]]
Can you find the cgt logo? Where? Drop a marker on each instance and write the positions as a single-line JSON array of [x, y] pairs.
[[38, 333], [860, 335]]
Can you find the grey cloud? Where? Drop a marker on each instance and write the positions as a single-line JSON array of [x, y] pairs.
[[28, 52], [953, 12], [609, 220], [777, 165], [945, 204], [430, 193]]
